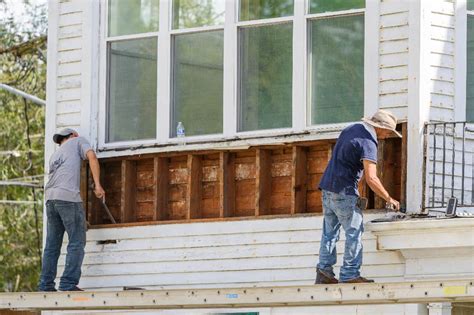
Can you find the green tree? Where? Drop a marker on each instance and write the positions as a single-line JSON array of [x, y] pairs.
[[23, 66]]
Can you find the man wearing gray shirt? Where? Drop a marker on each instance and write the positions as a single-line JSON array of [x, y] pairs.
[[65, 211]]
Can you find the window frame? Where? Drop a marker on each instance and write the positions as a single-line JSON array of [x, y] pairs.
[[460, 85], [301, 115]]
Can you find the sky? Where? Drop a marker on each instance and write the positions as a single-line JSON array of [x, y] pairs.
[[18, 8]]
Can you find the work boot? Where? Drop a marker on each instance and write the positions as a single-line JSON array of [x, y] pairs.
[[324, 278], [73, 289], [358, 280]]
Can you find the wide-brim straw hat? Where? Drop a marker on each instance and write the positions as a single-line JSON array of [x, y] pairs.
[[383, 119]]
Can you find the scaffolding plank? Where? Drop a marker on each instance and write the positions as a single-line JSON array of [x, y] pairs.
[[307, 295]]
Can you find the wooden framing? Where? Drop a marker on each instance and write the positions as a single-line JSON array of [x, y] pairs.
[[206, 185]]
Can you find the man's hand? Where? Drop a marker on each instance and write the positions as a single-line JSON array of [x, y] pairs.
[[99, 192], [394, 204]]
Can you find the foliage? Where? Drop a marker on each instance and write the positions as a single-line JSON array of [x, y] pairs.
[[23, 66]]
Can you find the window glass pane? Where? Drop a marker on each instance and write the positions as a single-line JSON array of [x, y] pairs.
[[132, 16], [131, 108], [265, 77], [197, 82], [195, 13], [264, 9], [470, 70], [470, 4], [319, 6], [337, 69]]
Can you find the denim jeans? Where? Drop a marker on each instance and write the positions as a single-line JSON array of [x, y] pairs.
[[341, 210], [69, 217]]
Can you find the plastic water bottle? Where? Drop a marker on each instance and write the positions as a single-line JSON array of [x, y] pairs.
[[180, 133]]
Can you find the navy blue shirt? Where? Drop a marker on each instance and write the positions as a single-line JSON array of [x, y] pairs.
[[345, 168]]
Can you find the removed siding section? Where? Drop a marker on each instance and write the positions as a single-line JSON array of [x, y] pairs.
[[442, 70], [69, 67], [393, 62], [219, 254]]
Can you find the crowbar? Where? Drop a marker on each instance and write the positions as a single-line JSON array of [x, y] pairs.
[[111, 217]]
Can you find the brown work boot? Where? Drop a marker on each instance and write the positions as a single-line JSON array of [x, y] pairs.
[[358, 280], [324, 278]]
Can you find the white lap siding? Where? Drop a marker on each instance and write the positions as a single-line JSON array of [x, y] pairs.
[[260, 252], [442, 64], [393, 53]]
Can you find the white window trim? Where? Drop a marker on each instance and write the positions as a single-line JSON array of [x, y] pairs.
[[460, 60], [300, 98]]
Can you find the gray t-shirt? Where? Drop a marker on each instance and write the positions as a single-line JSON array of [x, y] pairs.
[[65, 170]]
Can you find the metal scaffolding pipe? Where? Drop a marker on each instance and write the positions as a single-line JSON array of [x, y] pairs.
[[25, 95]]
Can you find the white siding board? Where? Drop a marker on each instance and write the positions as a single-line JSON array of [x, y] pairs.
[[442, 74], [68, 82], [70, 19], [396, 19], [393, 7], [442, 87], [394, 33], [442, 33], [393, 86], [68, 69], [440, 60], [393, 100], [442, 101], [69, 107], [442, 20], [394, 60], [70, 56], [70, 7], [230, 252], [391, 47], [70, 31], [68, 120], [68, 94], [442, 47], [69, 43], [395, 73], [442, 7]]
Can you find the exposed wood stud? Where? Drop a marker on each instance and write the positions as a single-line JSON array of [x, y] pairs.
[[298, 180], [403, 166], [263, 182], [127, 204], [226, 184], [160, 181], [379, 202], [193, 193]]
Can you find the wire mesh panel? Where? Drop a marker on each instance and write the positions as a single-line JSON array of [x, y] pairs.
[[449, 156]]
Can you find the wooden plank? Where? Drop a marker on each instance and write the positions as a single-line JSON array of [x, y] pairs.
[[403, 168], [128, 184], [226, 184], [298, 180], [193, 194], [160, 182], [263, 182], [84, 189], [379, 203]]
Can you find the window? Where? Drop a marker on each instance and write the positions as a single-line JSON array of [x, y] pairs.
[[336, 62], [198, 68], [470, 62], [265, 66], [131, 70], [229, 69]]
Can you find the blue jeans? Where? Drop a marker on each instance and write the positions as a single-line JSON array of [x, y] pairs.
[[70, 217], [341, 210]]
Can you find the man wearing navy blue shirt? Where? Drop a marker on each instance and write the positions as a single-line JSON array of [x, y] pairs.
[[354, 154]]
